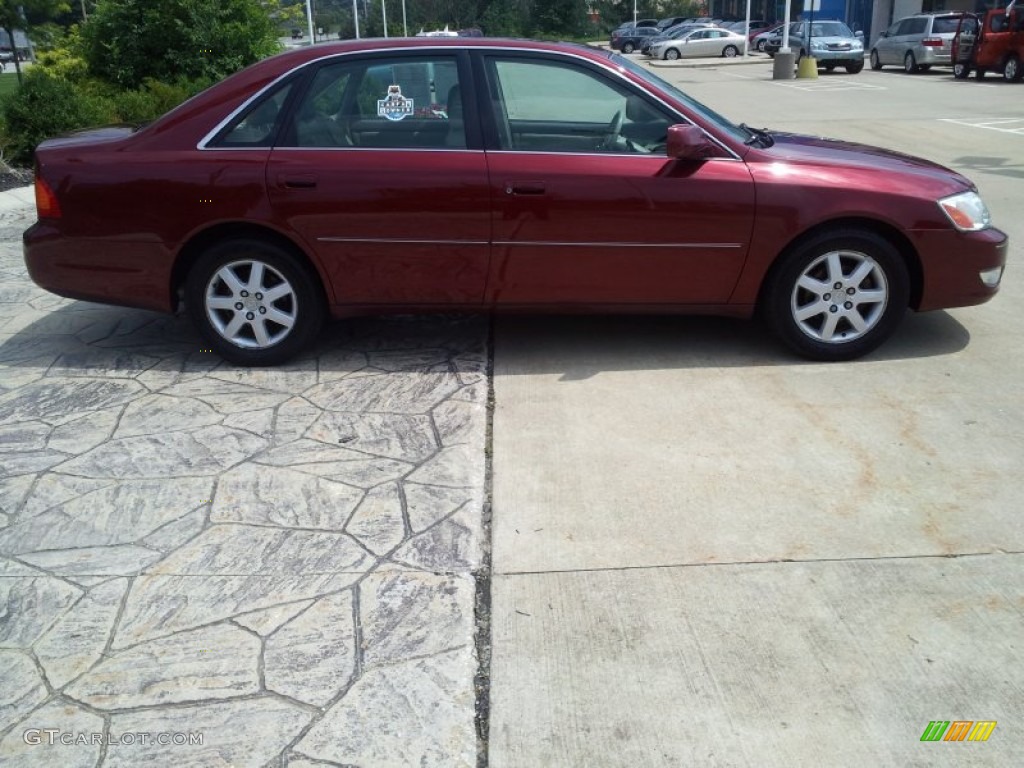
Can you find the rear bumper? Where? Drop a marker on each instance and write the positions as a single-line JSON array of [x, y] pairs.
[[127, 273]]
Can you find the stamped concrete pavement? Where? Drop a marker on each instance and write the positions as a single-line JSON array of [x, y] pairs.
[[280, 565]]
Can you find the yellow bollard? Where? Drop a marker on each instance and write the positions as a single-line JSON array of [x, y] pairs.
[[807, 67]]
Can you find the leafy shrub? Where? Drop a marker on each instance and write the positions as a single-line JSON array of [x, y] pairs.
[[127, 41], [46, 106]]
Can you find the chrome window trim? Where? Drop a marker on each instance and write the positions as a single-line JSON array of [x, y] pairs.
[[399, 240], [546, 244], [607, 67]]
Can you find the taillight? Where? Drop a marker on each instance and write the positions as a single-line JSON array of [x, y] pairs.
[[932, 42], [47, 206]]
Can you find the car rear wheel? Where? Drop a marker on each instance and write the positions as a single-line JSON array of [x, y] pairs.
[[854, 67], [1011, 69], [253, 302], [671, 54], [837, 295], [909, 63], [876, 63], [628, 48], [730, 51], [961, 71]]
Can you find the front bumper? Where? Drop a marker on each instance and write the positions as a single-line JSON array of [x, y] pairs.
[[960, 268], [840, 57]]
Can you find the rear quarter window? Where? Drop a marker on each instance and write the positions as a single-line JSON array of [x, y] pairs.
[[945, 25]]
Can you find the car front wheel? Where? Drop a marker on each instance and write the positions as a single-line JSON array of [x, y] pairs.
[[837, 295], [671, 54], [876, 63], [254, 302], [854, 67], [961, 71], [909, 63], [760, 45]]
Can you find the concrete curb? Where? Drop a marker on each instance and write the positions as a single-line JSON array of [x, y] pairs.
[[17, 197]]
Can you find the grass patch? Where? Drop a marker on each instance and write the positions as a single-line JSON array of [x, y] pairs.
[[8, 83]]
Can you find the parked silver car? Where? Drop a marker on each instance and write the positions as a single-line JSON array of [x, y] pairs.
[[710, 41], [917, 43]]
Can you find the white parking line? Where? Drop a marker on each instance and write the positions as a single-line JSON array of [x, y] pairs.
[[830, 85], [1013, 125]]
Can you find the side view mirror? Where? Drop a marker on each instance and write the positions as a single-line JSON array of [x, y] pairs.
[[860, 35], [884, 34], [687, 142]]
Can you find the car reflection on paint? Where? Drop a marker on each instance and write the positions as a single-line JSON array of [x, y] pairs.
[[494, 175]]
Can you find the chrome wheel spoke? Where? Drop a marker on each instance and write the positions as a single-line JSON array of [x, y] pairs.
[[278, 291], [811, 310], [259, 329], [861, 273], [857, 321], [221, 302], [231, 329], [873, 296], [230, 279], [281, 318], [828, 331], [817, 287], [256, 277], [835, 268]]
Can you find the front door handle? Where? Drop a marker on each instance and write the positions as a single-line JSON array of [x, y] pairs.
[[298, 181], [525, 188]]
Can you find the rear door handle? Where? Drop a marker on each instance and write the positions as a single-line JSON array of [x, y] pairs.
[[299, 181], [525, 188]]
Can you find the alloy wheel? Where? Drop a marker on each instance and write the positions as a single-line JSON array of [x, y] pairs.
[[251, 304], [839, 297]]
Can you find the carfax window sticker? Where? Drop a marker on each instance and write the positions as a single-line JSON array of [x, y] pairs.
[[395, 106]]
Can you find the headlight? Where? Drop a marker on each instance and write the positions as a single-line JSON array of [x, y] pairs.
[[966, 211], [816, 46]]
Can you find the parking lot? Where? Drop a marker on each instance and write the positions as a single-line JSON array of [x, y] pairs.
[[709, 553], [704, 550]]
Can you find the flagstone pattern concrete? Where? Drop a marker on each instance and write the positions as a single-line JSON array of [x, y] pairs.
[[281, 560]]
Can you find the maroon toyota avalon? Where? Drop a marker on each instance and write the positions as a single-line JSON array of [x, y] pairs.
[[405, 175]]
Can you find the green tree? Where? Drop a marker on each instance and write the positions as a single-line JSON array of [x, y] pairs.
[[13, 16], [127, 41], [559, 17]]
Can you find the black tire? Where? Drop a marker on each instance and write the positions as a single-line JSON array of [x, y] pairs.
[[876, 62], [628, 47], [760, 45], [924, 67], [671, 54], [730, 51], [961, 71], [829, 67], [783, 298], [854, 67], [979, 73], [1011, 69], [909, 63], [301, 304]]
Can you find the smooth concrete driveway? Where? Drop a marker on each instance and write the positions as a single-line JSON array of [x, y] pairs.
[[707, 552]]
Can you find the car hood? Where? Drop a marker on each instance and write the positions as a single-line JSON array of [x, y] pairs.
[[833, 156]]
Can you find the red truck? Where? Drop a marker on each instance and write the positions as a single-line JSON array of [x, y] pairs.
[[993, 42]]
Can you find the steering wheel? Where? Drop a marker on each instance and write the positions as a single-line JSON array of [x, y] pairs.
[[611, 133]]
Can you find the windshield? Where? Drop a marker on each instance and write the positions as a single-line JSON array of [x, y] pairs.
[[830, 29], [692, 104]]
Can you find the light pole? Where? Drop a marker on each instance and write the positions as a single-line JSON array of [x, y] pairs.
[[355, 17], [384, 12], [309, 19], [405, 27]]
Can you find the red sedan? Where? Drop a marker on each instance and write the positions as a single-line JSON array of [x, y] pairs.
[[399, 175]]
